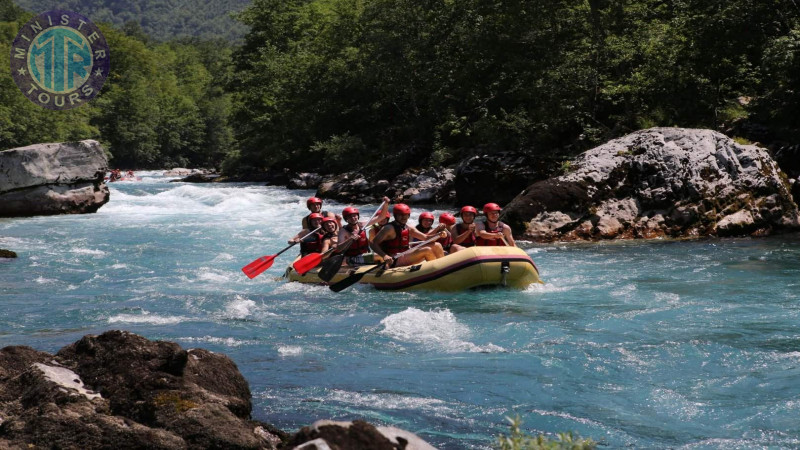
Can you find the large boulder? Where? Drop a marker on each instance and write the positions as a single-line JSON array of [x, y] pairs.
[[659, 182], [122, 390], [327, 434], [59, 178]]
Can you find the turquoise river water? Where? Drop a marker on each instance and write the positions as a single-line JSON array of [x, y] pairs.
[[660, 344]]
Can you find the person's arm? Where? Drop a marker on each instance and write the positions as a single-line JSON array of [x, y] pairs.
[[385, 234], [299, 235], [459, 238], [434, 231], [480, 231], [509, 237], [344, 234], [327, 244]]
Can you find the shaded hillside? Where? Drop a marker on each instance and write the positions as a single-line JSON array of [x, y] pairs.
[[159, 19]]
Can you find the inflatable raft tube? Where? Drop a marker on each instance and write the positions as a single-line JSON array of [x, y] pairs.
[[469, 268]]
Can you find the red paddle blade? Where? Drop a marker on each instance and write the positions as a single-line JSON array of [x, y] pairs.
[[256, 267], [307, 263]]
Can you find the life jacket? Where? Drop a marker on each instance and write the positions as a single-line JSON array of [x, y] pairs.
[[312, 243], [400, 243], [421, 230], [470, 240], [481, 242], [446, 242], [360, 245]]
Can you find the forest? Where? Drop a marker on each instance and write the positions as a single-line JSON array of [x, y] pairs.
[[329, 85]]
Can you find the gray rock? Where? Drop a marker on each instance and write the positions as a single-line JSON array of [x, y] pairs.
[[58, 178], [305, 181], [659, 182], [328, 434]]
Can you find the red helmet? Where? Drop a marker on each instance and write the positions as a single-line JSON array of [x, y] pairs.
[[328, 219], [313, 216], [401, 208], [487, 208], [426, 215], [447, 219], [469, 209], [313, 200], [350, 211]]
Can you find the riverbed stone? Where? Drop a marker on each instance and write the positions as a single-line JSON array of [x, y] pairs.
[[53, 178], [660, 182]]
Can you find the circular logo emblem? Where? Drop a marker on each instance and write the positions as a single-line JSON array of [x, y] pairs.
[[59, 60]]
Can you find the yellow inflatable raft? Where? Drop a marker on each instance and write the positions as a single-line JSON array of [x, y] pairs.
[[469, 268]]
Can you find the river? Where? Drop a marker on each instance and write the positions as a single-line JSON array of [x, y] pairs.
[[679, 344]]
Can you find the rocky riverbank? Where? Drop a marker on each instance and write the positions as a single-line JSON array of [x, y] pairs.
[[660, 182], [56, 178], [653, 183], [120, 390]]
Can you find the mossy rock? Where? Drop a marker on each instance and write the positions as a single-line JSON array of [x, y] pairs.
[[7, 254]]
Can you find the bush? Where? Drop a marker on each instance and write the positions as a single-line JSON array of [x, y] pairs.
[[520, 441]]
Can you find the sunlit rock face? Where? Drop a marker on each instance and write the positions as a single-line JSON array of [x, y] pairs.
[[57, 178], [659, 182]]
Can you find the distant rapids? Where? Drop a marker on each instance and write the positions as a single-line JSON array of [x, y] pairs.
[[660, 344]]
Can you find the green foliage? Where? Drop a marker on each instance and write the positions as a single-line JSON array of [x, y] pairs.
[[161, 20], [341, 153], [518, 440], [163, 105], [539, 76]]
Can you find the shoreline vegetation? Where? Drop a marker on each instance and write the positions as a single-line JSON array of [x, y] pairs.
[[335, 85]]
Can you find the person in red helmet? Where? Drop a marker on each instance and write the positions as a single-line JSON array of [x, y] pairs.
[[311, 239], [395, 237], [425, 224], [356, 253], [464, 232], [314, 204], [492, 232], [447, 221]]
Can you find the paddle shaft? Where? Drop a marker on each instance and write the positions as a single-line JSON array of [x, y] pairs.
[[354, 278]]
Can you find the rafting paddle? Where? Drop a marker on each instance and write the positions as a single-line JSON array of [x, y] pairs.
[[308, 262], [356, 277], [255, 268]]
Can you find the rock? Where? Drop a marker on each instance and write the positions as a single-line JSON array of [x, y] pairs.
[[357, 434], [413, 186], [659, 182], [57, 178], [122, 390], [305, 181], [198, 178], [496, 178], [177, 172], [7, 253], [423, 186]]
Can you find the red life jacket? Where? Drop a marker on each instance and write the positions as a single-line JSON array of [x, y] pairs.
[[481, 242], [400, 243], [470, 240], [360, 245], [312, 243]]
